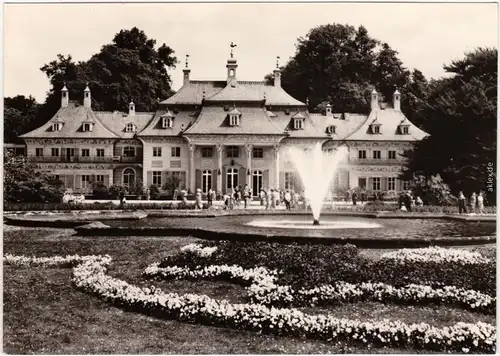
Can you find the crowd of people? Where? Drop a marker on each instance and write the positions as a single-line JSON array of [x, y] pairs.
[[476, 203]]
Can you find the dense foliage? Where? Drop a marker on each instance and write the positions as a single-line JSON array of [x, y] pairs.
[[307, 266], [432, 190], [23, 184], [461, 112]]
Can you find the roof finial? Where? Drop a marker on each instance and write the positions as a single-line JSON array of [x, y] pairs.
[[187, 56], [277, 62], [232, 45]]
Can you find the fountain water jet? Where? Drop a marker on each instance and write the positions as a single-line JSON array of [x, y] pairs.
[[316, 169]]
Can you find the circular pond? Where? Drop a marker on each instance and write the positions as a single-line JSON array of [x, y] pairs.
[[339, 228]]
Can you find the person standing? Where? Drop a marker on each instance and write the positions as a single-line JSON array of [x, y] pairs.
[[354, 198], [246, 195], [363, 197], [210, 197], [407, 201], [199, 202], [267, 198], [461, 203], [473, 202], [288, 199], [480, 203], [273, 199]]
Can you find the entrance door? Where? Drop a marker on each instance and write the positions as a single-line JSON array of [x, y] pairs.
[[256, 182], [362, 183]]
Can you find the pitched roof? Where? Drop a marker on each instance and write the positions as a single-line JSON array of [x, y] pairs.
[[285, 124], [255, 91], [117, 121], [214, 120], [389, 119], [345, 124], [192, 92], [181, 121], [73, 117]]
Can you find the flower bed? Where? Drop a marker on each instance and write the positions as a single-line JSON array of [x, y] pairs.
[[436, 254], [54, 261]]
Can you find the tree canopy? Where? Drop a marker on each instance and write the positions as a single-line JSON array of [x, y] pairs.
[[461, 118], [19, 117]]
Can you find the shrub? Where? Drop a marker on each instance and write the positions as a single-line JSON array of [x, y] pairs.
[[116, 189], [154, 192], [432, 190], [99, 190]]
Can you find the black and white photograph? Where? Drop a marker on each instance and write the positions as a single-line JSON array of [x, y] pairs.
[[249, 178]]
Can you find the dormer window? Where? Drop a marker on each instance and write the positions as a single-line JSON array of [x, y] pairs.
[[404, 128], [375, 127], [234, 117], [87, 127], [57, 126], [167, 120], [298, 121], [130, 127], [331, 129]]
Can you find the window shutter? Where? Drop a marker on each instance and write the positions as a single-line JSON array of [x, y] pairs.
[[106, 180], [78, 181], [117, 151], [164, 177], [282, 181], [369, 183], [224, 186], [183, 179], [149, 179], [197, 179], [384, 184], [214, 179], [242, 177], [265, 179]]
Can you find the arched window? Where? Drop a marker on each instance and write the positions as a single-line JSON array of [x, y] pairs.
[[206, 180], [256, 182], [232, 178], [128, 177]]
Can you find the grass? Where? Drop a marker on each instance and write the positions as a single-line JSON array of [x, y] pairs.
[[45, 314]]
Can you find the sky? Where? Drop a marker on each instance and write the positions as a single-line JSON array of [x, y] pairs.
[[426, 35]]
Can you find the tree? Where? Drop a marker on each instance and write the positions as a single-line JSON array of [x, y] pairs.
[[341, 65], [432, 190], [461, 112], [130, 68], [172, 183], [22, 184], [19, 116]]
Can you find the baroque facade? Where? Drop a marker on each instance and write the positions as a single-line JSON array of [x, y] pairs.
[[220, 134]]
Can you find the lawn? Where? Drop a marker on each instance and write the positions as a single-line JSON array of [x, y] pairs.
[[45, 313]]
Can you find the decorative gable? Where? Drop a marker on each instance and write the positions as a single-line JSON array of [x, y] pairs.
[[298, 121], [375, 127], [167, 120], [404, 127], [57, 124], [234, 117]]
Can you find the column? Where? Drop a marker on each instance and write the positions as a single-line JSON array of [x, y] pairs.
[[248, 150], [192, 172], [276, 166], [219, 148]]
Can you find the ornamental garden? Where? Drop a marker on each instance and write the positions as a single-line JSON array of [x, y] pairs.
[[184, 295]]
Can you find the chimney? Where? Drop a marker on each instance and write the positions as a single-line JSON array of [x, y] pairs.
[[374, 100], [328, 110], [64, 97], [86, 97], [131, 108], [396, 100], [186, 71]]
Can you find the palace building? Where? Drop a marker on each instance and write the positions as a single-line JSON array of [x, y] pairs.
[[220, 134]]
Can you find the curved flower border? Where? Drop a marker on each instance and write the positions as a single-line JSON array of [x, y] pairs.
[[90, 275], [263, 289], [436, 254]]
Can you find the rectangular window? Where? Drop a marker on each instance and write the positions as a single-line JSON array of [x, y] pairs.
[[100, 152], [232, 151], [406, 185], [376, 129], [86, 181], [376, 183], [391, 183], [392, 154], [129, 151], [376, 155], [99, 178], [406, 130], [207, 152], [39, 151], [157, 178], [55, 152], [361, 154], [258, 152], [176, 151], [156, 151], [85, 152], [288, 180]]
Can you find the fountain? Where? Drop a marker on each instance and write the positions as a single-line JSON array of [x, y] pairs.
[[316, 169]]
